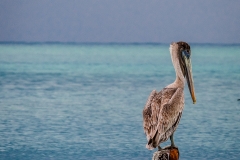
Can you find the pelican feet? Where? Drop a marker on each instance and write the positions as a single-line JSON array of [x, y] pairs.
[[159, 148], [172, 142], [170, 147], [167, 147]]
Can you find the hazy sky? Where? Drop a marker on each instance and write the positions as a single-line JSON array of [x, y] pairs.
[[164, 21]]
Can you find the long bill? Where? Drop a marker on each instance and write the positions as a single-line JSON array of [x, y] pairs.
[[190, 78]]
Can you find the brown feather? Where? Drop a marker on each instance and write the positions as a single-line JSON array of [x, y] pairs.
[[161, 115]]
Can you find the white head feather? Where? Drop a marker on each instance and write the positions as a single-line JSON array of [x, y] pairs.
[[175, 60]]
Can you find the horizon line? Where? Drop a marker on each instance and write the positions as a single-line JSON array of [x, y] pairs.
[[108, 43]]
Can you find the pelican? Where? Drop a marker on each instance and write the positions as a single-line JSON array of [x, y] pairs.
[[163, 110]]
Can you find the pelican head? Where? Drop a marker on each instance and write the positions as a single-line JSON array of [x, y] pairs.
[[184, 53]]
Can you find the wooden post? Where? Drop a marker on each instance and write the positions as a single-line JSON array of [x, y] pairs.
[[166, 153]]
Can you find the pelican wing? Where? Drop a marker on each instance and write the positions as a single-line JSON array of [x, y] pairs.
[[150, 114], [162, 114], [170, 115]]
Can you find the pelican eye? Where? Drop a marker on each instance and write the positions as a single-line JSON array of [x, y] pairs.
[[186, 54]]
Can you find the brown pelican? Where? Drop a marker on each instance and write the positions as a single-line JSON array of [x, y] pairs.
[[163, 110]]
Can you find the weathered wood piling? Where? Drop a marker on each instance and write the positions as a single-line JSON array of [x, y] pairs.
[[166, 153]]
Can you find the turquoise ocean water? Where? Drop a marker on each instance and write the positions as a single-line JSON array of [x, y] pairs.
[[85, 101]]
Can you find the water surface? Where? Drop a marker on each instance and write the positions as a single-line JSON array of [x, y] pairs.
[[83, 101]]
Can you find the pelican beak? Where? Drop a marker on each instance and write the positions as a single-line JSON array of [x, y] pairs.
[[188, 71]]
